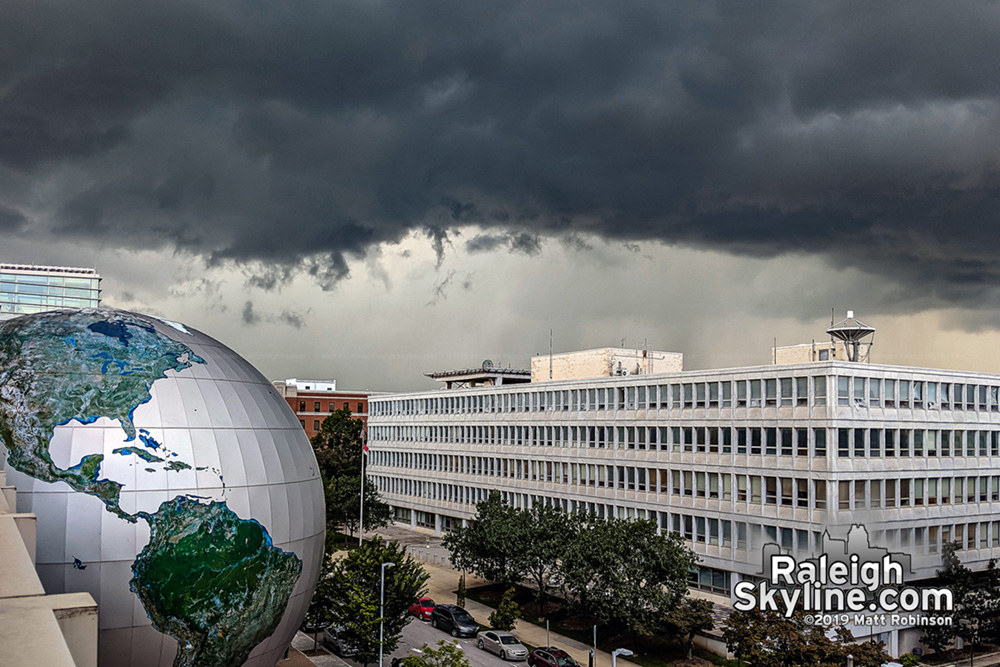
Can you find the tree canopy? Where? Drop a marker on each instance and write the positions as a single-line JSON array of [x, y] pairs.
[[491, 545], [354, 584], [620, 571], [976, 598], [339, 452], [689, 618], [769, 639], [445, 654], [548, 532]]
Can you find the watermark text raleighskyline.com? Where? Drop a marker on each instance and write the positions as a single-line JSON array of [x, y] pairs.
[[844, 589]]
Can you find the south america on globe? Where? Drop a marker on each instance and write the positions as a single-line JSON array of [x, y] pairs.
[[209, 577]]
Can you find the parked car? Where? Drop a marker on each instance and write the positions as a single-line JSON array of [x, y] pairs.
[[454, 618], [504, 644], [311, 626], [550, 656], [332, 640], [422, 608]]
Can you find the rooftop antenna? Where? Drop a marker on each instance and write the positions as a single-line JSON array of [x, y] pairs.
[[852, 332], [550, 354], [833, 344]]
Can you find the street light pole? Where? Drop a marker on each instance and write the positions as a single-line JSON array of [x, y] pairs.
[[617, 652], [361, 514], [381, 610]]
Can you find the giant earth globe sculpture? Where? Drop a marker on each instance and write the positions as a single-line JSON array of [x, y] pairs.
[[170, 481]]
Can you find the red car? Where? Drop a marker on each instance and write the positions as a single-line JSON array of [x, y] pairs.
[[550, 656], [422, 608]]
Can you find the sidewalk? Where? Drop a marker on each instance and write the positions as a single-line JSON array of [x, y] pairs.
[[980, 661], [444, 581], [297, 658]]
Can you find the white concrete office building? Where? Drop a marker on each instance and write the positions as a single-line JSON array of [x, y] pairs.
[[731, 459]]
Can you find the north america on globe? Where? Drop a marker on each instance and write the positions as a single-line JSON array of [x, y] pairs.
[[208, 578]]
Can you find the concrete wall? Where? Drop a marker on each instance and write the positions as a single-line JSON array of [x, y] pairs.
[[809, 352], [604, 362], [35, 628]]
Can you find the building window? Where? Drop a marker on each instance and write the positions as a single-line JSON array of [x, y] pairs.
[[302, 422], [361, 407], [347, 406], [302, 406], [316, 426], [316, 406]]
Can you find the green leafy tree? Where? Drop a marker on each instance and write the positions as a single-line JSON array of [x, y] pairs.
[[958, 578], [506, 613], [355, 583], [689, 618], [491, 544], [744, 632], [769, 639], [621, 571], [339, 452], [445, 654], [548, 532], [320, 611], [976, 599], [461, 592]]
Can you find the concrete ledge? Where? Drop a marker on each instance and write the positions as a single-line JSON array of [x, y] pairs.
[[31, 637], [76, 618], [8, 498], [26, 525], [9, 494], [18, 578]]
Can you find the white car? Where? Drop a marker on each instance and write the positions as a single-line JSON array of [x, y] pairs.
[[504, 644]]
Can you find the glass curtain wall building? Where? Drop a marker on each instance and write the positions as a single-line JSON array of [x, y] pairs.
[[26, 289]]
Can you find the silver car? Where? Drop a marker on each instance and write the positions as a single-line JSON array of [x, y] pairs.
[[504, 644], [333, 639]]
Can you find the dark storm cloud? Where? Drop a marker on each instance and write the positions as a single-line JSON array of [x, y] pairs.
[[298, 135], [517, 242], [292, 318], [10, 219], [250, 317]]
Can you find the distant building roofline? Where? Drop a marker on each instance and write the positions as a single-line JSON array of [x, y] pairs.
[[512, 372], [49, 269]]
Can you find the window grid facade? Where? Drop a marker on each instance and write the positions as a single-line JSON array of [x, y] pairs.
[[728, 459], [26, 289]]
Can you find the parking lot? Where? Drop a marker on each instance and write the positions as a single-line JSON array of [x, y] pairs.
[[417, 633]]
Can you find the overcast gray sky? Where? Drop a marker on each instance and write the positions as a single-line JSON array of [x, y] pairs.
[[372, 190]]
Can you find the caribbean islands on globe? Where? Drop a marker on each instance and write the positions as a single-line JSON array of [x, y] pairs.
[[171, 482]]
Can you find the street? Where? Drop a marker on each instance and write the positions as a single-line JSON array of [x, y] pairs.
[[417, 633]]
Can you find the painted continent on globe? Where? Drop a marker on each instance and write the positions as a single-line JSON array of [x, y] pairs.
[[198, 479]]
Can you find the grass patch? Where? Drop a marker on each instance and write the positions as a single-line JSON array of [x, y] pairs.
[[649, 652]]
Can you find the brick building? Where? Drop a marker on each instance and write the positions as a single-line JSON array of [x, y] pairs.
[[312, 401]]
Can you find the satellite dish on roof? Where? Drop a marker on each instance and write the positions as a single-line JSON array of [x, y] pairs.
[[487, 364], [853, 332]]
